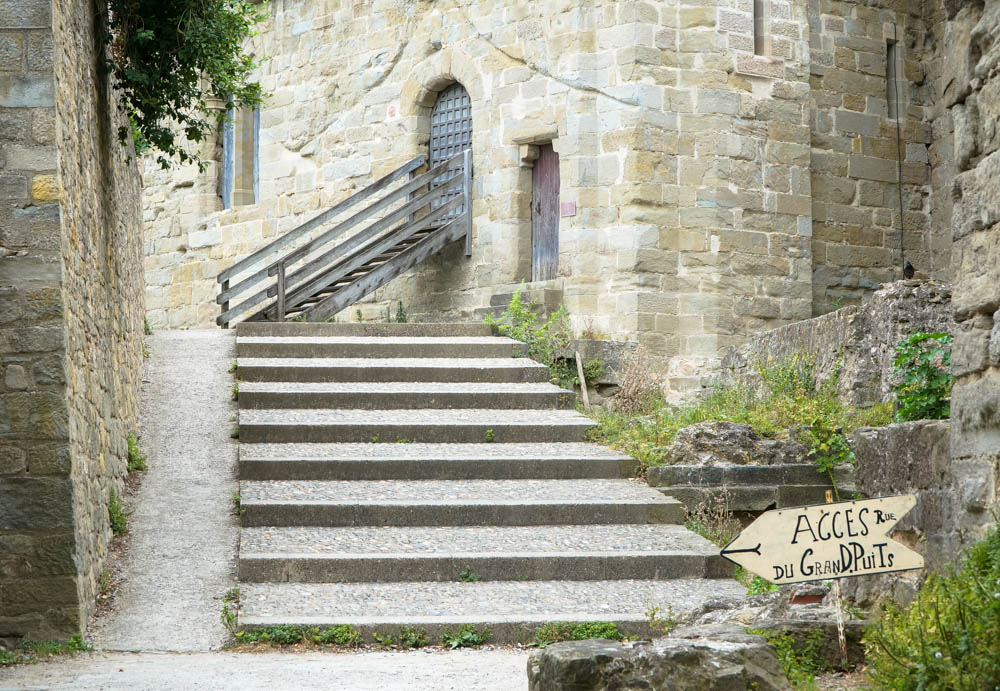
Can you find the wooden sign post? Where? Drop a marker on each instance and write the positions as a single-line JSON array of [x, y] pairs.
[[825, 541]]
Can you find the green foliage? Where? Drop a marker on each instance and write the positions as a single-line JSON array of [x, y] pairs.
[[238, 508], [233, 368], [401, 316], [554, 632], [801, 660], [136, 459], [145, 322], [545, 341], [384, 640], [357, 314], [281, 634], [592, 371], [786, 402], [755, 584], [948, 637], [468, 636], [344, 634], [235, 434], [921, 365], [490, 436], [116, 514], [168, 57], [662, 623], [468, 576], [230, 609], [29, 651], [236, 391]]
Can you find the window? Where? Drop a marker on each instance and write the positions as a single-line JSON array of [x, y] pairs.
[[240, 164], [760, 38], [451, 133]]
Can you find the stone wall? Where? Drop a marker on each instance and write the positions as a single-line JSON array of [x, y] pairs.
[[860, 338], [971, 89], [70, 318], [856, 146]]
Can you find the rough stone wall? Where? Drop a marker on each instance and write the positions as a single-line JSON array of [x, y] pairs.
[[70, 318], [855, 200], [971, 89], [859, 338]]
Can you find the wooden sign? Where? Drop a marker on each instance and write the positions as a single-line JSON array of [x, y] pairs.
[[817, 543]]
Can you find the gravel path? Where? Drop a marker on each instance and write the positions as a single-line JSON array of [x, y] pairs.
[[183, 537], [572, 450], [430, 670]]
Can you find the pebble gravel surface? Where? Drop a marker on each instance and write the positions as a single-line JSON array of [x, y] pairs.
[[571, 450]]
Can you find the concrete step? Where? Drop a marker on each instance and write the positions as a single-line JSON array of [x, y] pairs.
[[454, 502], [470, 425], [381, 554], [510, 610], [364, 329], [735, 475], [392, 370], [755, 497], [375, 347], [403, 395], [382, 461]]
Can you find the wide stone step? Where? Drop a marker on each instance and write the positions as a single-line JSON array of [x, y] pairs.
[[375, 347], [755, 497], [459, 502], [512, 611], [402, 395], [456, 426], [385, 554], [383, 461], [392, 370], [730, 475], [371, 329]]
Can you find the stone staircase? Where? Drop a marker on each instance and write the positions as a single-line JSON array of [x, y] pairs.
[[378, 462]]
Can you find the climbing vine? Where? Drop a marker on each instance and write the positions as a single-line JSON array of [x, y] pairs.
[[169, 58]]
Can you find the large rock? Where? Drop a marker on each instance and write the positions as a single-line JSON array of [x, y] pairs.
[[730, 443], [695, 658]]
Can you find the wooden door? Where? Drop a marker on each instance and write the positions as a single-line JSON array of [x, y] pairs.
[[545, 215]]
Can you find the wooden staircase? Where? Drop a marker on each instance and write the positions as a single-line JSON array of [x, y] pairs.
[[310, 275]]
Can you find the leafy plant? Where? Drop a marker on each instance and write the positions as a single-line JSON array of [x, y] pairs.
[[411, 637], [663, 624], [168, 58], [136, 459], [232, 367], [230, 609], [490, 436], [468, 576], [592, 371], [235, 434], [468, 636], [948, 637], [385, 640], [28, 651], [544, 342], [554, 632], [344, 634], [357, 314], [921, 366], [145, 324], [236, 391], [116, 514], [802, 660], [238, 508], [281, 634]]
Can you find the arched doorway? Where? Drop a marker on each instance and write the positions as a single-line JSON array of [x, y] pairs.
[[451, 132]]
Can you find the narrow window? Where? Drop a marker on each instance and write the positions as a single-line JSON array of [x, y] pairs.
[[891, 85], [760, 42], [240, 162]]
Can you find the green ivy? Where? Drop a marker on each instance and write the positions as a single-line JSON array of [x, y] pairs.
[[921, 365], [168, 58]]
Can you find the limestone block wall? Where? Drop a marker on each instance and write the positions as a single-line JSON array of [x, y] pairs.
[[70, 317], [971, 88], [855, 148]]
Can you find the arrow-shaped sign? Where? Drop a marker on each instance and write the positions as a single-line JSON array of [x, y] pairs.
[[816, 543]]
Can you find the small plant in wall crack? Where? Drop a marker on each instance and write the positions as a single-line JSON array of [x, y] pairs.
[[233, 368], [468, 636], [230, 609], [662, 623], [136, 459], [922, 368], [116, 514], [235, 434], [238, 508], [468, 576], [236, 391]]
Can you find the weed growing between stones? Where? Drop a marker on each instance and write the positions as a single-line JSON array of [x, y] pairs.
[[136, 459], [235, 434], [233, 368], [116, 514], [468, 576], [490, 436], [344, 635], [555, 632], [145, 326], [802, 661], [28, 651], [924, 383], [787, 402], [949, 636], [662, 624], [236, 391], [230, 609], [238, 508], [545, 340], [468, 636]]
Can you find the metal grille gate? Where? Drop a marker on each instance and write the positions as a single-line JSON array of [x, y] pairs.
[[451, 133]]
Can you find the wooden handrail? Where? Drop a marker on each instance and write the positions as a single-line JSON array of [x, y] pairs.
[[320, 219], [360, 253]]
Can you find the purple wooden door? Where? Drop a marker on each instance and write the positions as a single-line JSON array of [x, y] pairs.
[[545, 215]]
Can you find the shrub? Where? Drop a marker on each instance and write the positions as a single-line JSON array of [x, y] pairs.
[[801, 660], [948, 637], [545, 341], [921, 365]]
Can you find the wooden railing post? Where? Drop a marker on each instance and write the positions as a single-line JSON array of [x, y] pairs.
[[281, 291], [225, 305], [467, 191]]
